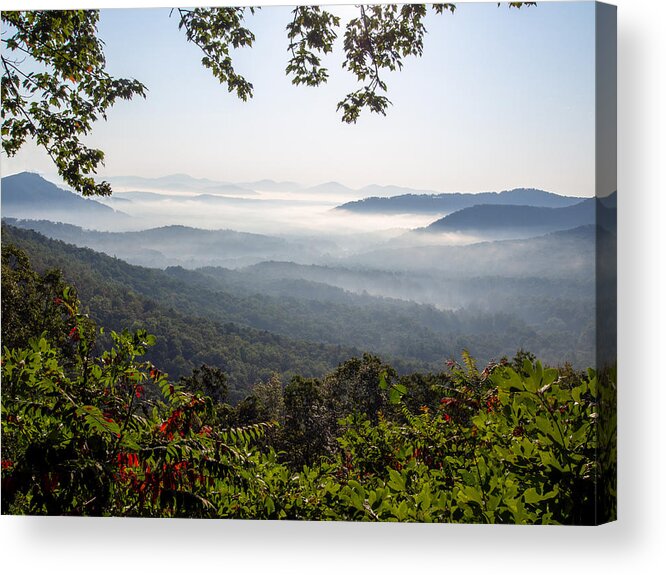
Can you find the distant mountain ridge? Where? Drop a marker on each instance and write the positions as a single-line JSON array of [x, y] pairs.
[[28, 188], [333, 188], [488, 218], [170, 245], [434, 203], [180, 182], [559, 254], [27, 195], [184, 182]]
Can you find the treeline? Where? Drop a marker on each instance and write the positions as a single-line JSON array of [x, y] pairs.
[[184, 342], [203, 317], [89, 431]]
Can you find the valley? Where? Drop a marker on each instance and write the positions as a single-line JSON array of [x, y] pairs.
[[414, 296]]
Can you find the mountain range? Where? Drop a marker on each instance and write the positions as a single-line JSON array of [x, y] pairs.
[[517, 213], [560, 254], [520, 220], [183, 182], [28, 195], [442, 203], [173, 245], [505, 221], [252, 323], [179, 182]]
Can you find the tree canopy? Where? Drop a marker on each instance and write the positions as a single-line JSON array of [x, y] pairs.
[[54, 87], [105, 432], [55, 84]]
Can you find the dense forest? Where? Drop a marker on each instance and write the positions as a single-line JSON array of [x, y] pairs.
[[190, 347], [413, 296], [290, 320], [119, 296], [94, 425], [304, 380]]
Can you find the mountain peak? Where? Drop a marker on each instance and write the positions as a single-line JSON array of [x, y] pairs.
[[417, 202], [27, 195]]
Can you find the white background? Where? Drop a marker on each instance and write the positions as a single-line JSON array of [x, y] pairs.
[[633, 544]]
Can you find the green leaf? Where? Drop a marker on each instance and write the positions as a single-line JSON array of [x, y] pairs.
[[383, 385], [396, 393], [546, 427], [507, 379], [472, 493], [396, 481]]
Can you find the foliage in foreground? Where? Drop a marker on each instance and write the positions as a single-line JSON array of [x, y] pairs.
[[89, 433], [502, 446]]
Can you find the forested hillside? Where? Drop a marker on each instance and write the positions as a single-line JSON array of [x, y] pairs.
[[118, 296], [170, 245], [96, 430], [28, 195], [214, 344], [517, 219], [174, 302], [434, 203]]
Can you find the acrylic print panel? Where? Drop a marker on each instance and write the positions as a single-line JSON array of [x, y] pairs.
[[346, 263]]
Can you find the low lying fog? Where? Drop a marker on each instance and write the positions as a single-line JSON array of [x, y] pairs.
[[272, 213], [298, 215], [307, 249]]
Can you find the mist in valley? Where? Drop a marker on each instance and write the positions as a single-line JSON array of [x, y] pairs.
[[503, 288]]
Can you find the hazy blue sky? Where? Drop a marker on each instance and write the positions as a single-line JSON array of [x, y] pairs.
[[500, 99]]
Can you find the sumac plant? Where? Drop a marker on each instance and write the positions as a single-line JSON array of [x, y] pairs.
[[110, 435], [90, 432], [504, 446]]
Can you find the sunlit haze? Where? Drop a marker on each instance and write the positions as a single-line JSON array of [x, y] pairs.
[[501, 98]]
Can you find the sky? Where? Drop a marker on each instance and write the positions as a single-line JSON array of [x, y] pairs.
[[501, 98]]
